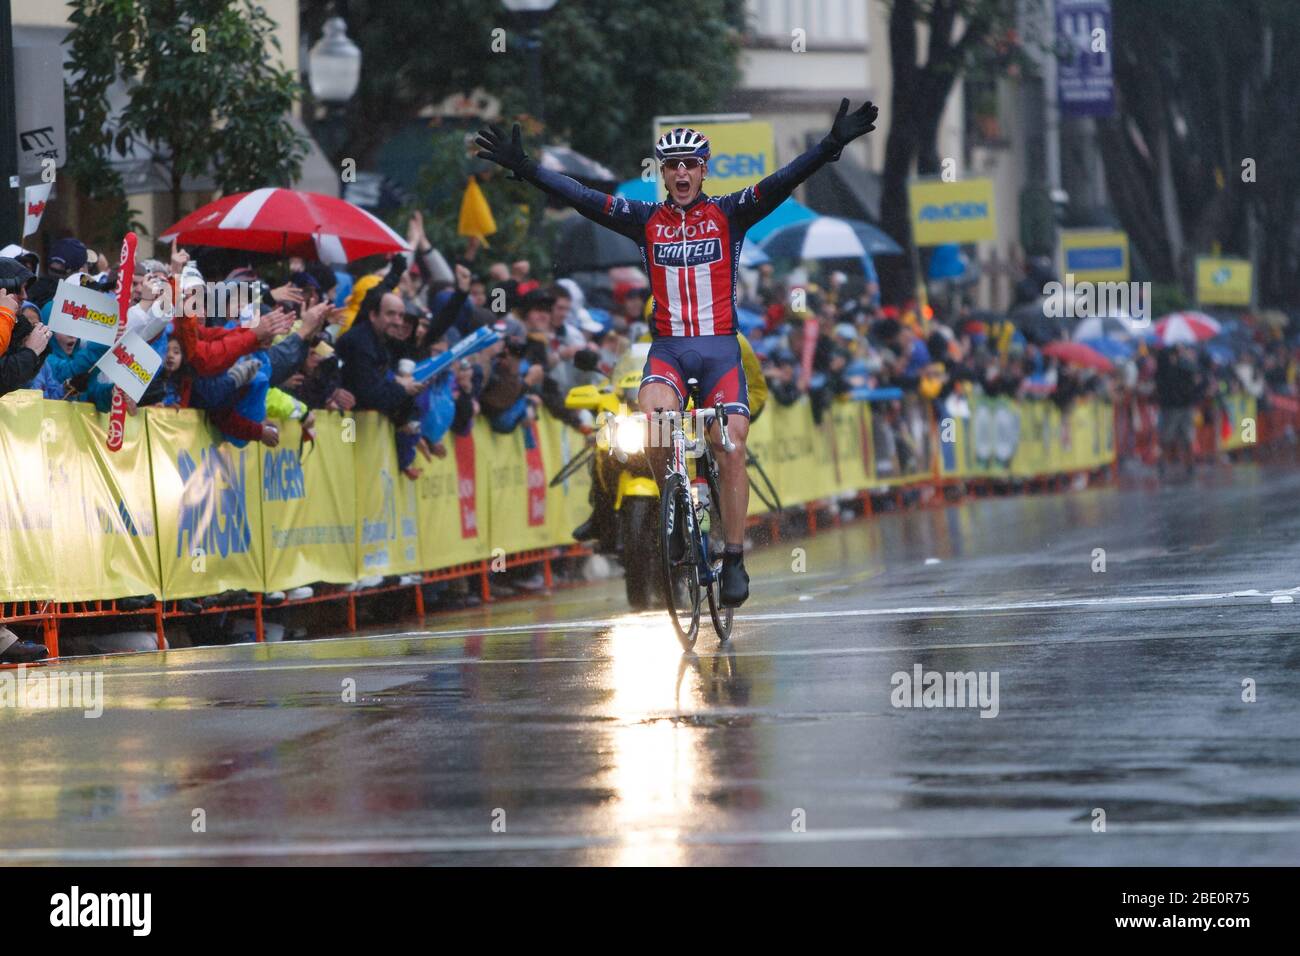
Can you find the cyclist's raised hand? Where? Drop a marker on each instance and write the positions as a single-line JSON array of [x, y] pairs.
[[494, 148], [849, 126]]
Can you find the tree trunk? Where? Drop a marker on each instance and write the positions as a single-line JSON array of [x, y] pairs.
[[896, 279]]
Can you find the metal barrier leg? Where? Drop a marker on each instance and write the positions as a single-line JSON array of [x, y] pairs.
[[51, 627], [484, 590], [546, 571], [352, 611], [158, 624], [258, 630], [419, 600]]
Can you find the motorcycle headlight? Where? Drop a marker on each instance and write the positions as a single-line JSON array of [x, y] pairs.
[[629, 434]]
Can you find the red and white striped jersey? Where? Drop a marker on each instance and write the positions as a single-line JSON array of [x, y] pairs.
[[691, 254]]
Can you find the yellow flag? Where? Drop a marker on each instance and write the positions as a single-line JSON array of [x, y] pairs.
[[475, 214]]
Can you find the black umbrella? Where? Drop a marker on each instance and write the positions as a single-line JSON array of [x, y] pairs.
[[583, 246], [1035, 325]]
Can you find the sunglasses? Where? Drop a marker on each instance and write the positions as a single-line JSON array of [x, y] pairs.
[[690, 162]]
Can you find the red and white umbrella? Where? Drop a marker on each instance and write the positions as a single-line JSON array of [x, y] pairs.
[[286, 222], [1186, 328], [1076, 353]]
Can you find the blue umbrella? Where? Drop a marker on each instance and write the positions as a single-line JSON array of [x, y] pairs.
[[638, 189], [748, 320], [751, 256], [829, 238], [947, 262], [786, 214]]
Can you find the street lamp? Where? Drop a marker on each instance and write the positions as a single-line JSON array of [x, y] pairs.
[[530, 14], [333, 73], [334, 65]]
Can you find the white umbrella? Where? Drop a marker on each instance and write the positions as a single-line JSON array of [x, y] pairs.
[[827, 237], [1106, 327]]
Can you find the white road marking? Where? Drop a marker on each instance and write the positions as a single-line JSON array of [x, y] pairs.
[[414, 845]]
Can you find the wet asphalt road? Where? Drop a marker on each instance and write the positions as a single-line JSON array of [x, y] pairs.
[[584, 734]]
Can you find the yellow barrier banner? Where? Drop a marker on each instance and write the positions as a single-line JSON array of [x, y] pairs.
[[452, 497], [760, 446], [207, 506], [387, 515], [789, 452], [309, 517], [568, 504], [517, 478], [105, 545], [26, 541], [181, 513]]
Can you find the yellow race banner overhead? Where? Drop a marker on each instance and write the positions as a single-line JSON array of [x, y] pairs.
[[741, 150], [309, 516], [960, 211], [1221, 281], [207, 506], [1095, 255]]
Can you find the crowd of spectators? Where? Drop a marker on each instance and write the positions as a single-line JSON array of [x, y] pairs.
[[312, 337]]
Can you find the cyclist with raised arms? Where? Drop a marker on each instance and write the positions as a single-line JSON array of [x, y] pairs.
[[690, 245]]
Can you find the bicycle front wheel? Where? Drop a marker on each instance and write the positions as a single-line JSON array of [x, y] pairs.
[[677, 547]]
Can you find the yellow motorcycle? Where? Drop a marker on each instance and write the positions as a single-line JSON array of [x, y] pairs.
[[625, 497]]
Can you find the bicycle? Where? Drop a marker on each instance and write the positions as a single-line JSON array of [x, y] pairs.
[[689, 566]]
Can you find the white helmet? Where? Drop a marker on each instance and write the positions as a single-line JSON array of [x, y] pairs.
[[681, 143]]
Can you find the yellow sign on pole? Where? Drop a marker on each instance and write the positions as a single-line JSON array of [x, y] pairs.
[[1222, 281], [1095, 255], [959, 211], [742, 151]]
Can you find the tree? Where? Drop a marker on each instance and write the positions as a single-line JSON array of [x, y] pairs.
[[202, 93], [516, 205], [957, 30], [1203, 144], [609, 66]]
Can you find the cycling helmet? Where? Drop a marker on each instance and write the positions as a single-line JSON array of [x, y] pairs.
[[681, 143]]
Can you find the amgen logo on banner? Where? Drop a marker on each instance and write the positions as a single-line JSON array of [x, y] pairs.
[[954, 212], [214, 511]]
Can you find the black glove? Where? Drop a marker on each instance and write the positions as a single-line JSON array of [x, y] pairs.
[[494, 148], [849, 126]]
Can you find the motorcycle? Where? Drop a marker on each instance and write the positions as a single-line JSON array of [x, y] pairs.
[[625, 495]]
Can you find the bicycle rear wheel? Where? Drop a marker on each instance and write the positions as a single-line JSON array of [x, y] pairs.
[[677, 554]]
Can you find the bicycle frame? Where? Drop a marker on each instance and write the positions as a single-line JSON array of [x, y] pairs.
[[698, 448]]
